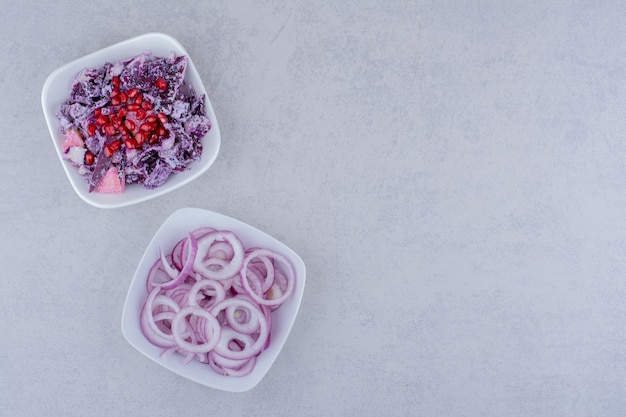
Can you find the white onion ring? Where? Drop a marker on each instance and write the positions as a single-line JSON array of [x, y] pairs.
[[210, 300], [178, 331], [290, 275], [177, 277], [217, 287], [156, 275], [228, 269], [252, 347], [148, 325], [180, 249], [250, 323]]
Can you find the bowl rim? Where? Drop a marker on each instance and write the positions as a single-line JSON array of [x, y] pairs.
[[194, 217], [138, 44]]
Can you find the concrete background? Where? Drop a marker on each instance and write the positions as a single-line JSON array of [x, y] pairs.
[[452, 174]]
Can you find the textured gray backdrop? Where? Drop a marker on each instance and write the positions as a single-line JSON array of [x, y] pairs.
[[452, 174]]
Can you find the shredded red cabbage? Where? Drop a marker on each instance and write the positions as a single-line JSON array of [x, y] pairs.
[[149, 164]]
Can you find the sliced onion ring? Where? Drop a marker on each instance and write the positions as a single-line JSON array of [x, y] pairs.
[[211, 300], [178, 277], [289, 274], [228, 269], [178, 331], [252, 347], [147, 321]]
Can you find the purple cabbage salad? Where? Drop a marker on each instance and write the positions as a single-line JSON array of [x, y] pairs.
[[139, 114]]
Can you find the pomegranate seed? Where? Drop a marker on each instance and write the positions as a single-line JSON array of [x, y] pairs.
[[115, 145], [101, 120], [161, 84], [133, 107], [130, 143], [91, 129], [146, 105], [161, 131], [108, 152], [147, 127], [132, 93], [162, 118], [109, 129], [139, 99], [141, 114], [151, 119], [97, 112], [153, 139], [115, 80], [89, 158], [130, 125], [121, 112], [123, 97], [115, 101], [115, 92], [140, 137]]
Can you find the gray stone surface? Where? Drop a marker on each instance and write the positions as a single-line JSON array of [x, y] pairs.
[[452, 174]]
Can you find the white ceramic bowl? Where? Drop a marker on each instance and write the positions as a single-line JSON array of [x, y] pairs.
[[57, 88], [174, 229]]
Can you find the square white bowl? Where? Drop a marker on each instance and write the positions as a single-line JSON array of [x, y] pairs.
[[56, 89], [175, 228]]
